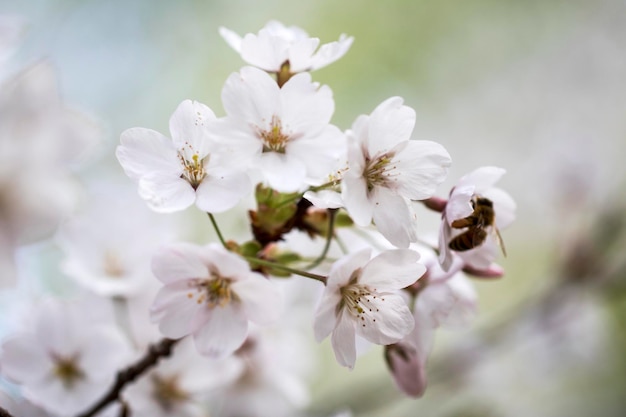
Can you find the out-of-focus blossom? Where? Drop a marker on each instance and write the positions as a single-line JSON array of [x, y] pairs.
[[40, 138], [270, 383], [361, 299], [108, 248], [276, 45], [387, 170], [282, 132], [212, 294], [68, 360], [173, 174], [462, 204], [179, 386]]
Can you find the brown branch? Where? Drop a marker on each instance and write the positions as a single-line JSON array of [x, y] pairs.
[[5, 413], [155, 352]]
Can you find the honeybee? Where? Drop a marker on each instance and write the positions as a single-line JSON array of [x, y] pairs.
[[476, 223]]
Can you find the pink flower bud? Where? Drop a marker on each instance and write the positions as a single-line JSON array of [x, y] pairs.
[[494, 271], [407, 368]]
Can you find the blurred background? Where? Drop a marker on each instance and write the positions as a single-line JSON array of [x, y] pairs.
[[535, 86]]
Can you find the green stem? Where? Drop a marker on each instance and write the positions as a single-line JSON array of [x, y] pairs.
[[263, 262], [217, 230], [329, 237]]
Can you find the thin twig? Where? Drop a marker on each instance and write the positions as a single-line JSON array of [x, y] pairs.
[[329, 237], [217, 230], [155, 352], [305, 274]]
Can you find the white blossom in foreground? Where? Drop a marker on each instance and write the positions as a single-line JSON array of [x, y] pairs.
[[276, 45], [69, 359], [387, 170], [479, 252], [361, 299], [283, 132], [173, 174], [179, 385], [212, 294]]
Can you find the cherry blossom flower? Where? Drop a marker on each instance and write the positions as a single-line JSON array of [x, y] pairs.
[[387, 170], [109, 246], [69, 360], [360, 299], [179, 386], [477, 184], [276, 45], [283, 132], [212, 294], [270, 383], [173, 174]]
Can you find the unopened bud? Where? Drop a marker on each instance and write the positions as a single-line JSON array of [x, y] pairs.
[[436, 204], [407, 368], [494, 271]]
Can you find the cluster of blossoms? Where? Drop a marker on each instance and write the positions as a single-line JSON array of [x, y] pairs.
[[308, 177]]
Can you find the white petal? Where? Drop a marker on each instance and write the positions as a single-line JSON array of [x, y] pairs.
[[227, 263], [503, 205], [320, 154], [342, 270], [175, 311], [306, 108], [459, 205], [326, 315], [390, 323], [231, 38], [343, 342], [223, 332], [188, 126], [284, 173], [357, 203], [179, 261], [483, 178], [221, 190], [24, 359], [166, 194], [392, 269], [106, 348], [445, 253], [324, 199], [422, 165], [236, 141], [260, 298], [300, 53], [146, 152], [393, 217], [264, 50], [390, 123], [252, 96], [331, 52]]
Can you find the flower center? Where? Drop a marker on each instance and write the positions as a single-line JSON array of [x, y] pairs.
[[193, 168], [377, 171], [167, 392], [360, 300], [67, 370], [274, 140], [112, 265], [214, 291]]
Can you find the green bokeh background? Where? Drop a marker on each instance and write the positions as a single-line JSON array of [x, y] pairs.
[[537, 87]]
